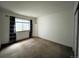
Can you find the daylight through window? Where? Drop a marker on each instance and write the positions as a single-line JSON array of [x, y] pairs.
[[22, 24]]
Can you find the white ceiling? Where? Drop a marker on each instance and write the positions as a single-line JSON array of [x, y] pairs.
[[36, 8]]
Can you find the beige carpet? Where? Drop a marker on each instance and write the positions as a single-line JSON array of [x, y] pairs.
[[36, 48]]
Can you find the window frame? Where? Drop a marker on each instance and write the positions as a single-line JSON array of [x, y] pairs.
[[22, 24]]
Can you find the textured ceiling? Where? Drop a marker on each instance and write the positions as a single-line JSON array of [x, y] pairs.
[[37, 8]]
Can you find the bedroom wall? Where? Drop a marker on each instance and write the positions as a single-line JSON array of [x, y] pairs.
[[0, 30], [75, 28], [57, 27], [5, 29], [5, 26], [22, 35]]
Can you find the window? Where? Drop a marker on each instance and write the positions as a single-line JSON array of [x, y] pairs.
[[22, 24]]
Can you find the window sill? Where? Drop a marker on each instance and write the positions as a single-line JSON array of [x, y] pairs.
[[23, 31]]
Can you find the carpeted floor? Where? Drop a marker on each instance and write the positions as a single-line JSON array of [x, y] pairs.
[[36, 48]]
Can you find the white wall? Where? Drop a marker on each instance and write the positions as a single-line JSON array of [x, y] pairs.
[[5, 29], [57, 27], [75, 29], [0, 30], [22, 35], [75, 34], [35, 28]]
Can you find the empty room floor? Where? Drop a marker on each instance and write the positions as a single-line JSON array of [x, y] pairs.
[[36, 48]]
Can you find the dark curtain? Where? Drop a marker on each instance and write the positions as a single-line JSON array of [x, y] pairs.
[[31, 26], [12, 30]]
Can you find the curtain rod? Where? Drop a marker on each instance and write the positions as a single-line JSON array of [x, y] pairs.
[[28, 18]]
